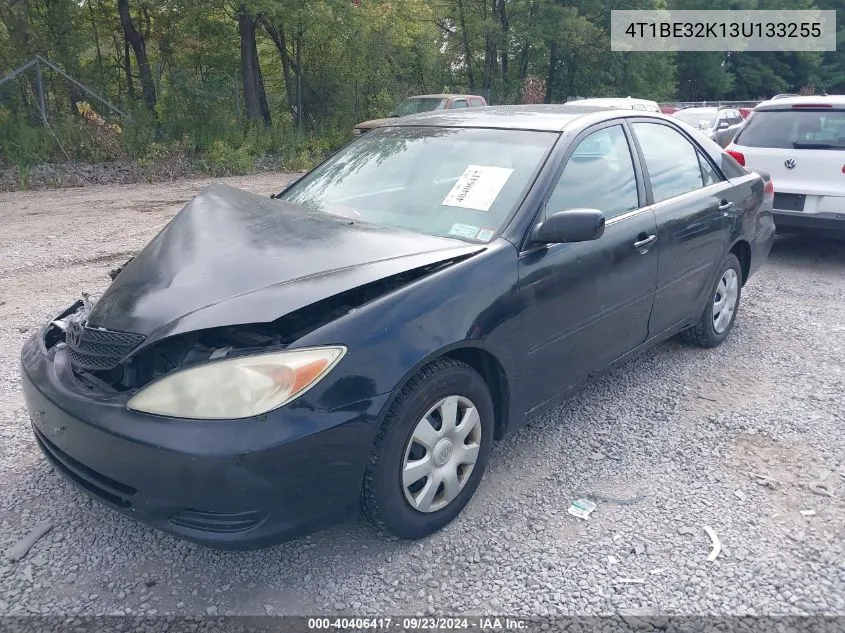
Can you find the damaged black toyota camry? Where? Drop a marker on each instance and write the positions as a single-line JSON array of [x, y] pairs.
[[266, 366]]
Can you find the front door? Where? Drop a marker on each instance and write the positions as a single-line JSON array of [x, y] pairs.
[[588, 303]]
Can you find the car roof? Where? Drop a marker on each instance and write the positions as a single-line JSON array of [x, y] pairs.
[[699, 109], [540, 117], [442, 96], [612, 100], [786, 103]]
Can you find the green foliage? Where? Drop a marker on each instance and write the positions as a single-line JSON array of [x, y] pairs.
[[344, 63], [222, 159], [381, 104]]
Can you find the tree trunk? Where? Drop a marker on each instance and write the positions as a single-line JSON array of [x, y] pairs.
[[262, 93], [505, 24], [277, 34], [96, 34], [298, 45], [526, 47], [127, 70], [490, 57], [255, 100], [136, 41], [467, 50], [550, 75]]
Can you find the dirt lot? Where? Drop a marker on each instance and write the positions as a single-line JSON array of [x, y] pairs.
[[667, 444]]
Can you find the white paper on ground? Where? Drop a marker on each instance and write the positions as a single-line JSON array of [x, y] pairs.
[[582, 508], [478, 187]]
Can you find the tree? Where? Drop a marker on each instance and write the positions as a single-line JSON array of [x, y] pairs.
[[138, 43], [255, 98]]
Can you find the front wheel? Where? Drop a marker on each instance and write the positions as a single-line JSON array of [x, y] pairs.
[[431, 452], [720, 312]]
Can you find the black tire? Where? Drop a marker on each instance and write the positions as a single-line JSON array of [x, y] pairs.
[[383, 497], [704, 333]]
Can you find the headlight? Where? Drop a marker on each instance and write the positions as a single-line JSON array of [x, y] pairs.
[[238, 387]]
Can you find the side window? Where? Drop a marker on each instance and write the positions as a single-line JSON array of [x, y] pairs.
[[639, 106], [708, 172], [598, 175], [458, 103], [476, 102], [671, 160]]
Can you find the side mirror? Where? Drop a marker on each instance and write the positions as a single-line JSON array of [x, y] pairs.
[[574, 225], [723, 125], [703, 125]]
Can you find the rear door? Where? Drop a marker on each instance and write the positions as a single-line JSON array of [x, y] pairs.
[[695, 208]]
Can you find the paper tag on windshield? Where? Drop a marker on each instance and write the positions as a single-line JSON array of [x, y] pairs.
[[478, 187], [464, 230]]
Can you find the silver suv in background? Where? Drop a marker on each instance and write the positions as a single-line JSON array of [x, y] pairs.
[[719, 124]]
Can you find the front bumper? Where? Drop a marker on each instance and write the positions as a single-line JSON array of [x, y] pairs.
[[232, 484]]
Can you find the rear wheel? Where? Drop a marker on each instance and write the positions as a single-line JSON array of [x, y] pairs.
[[720, 312], [431, 452]]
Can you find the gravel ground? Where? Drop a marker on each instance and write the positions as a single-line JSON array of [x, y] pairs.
[[675, 433]]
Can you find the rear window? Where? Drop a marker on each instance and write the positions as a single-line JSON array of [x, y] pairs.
[[794, 129]]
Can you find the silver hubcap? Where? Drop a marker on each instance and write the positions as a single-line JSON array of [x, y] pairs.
[[441, 454], [724, 303]]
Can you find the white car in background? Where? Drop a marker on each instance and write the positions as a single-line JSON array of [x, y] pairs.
[[628, 103], [800, 142]]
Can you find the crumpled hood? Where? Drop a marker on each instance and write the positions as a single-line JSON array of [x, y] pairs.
[[232, 257]]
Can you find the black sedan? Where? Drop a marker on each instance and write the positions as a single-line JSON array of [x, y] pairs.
[[269, 365]]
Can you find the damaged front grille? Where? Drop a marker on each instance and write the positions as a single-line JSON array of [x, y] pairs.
[[92, 349]]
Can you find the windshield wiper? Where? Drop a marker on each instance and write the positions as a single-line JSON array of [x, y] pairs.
[[799, 145]]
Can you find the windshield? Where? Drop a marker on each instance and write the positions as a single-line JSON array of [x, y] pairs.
[[795, 129], [449, 182], [412, 106], [693, 117]]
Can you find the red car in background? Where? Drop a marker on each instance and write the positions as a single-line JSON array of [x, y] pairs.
[[668, 109]]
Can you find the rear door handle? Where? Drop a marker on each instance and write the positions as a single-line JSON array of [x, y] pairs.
[[644, 243]]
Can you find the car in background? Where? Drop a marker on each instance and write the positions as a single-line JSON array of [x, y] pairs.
[[628, 103], [745, 112], [800, 141], [668, 109], [266, 366], [718, 123], [423, 103]]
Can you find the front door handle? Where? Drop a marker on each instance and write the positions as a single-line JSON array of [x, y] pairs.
[[645, 242], [726, 206]]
